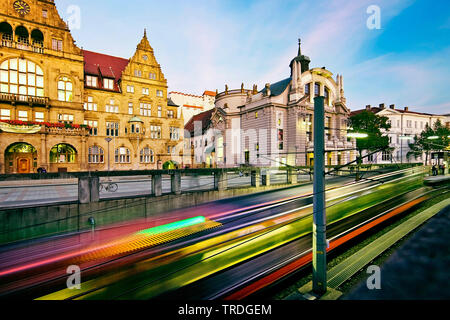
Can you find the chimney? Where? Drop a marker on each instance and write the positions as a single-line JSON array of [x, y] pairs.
[[368, 107], [392, 106], [381, 105], [406, 109]]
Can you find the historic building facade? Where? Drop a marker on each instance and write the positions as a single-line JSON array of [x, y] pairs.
[[405, 124], [67, 109], [274, 126], [192, 104]]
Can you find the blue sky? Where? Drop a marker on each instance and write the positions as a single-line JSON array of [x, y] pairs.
[[203, 45]]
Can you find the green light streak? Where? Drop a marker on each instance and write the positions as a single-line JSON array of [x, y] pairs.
[[172, 226]]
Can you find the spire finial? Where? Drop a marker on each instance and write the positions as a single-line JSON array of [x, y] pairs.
[[299, 47], [145, 32]]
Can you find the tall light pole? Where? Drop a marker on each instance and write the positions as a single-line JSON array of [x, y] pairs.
[[108, 140], [319, 215]]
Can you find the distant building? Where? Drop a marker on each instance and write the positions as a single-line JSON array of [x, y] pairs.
[[405, 124], [192, 105], [274, 126]]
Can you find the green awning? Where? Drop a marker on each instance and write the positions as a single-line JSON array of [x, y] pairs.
[[136, 119]]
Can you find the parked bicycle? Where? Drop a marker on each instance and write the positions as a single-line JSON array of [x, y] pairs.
[[108, 186]]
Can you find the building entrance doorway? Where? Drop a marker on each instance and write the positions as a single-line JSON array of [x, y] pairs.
[[20, 157]]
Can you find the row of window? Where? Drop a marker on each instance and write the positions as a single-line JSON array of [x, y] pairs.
[[145, 91], [121, 155], [138, 73], [113, 107]]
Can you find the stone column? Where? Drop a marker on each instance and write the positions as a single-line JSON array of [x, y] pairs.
[[82, 160], [255, 178], [157, 185], [44, 154], [88, 189], [220, 180], [175, 182]]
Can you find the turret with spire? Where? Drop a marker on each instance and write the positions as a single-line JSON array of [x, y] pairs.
[[304, 60]]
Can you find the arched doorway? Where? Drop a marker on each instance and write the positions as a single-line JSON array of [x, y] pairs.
[[20, 157]]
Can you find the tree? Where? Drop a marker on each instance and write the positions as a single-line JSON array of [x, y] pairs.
[[422, 144], [371, 124]]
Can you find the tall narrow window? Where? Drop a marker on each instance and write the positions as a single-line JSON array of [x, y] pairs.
[[159, 111], [145, 109], [316, 89], [130, 108], [90, 105], [112, 129], [65, 89]]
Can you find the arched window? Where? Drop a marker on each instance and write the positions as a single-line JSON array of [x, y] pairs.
[[20, 76], [147, 155], [37, 38], [6, 32], [95, 154], [65, 89], [327, 96], [63, 153], [22, 35], [122, 155]]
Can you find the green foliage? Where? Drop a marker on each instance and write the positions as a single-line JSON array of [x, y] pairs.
[[372, 124], [422, 143]]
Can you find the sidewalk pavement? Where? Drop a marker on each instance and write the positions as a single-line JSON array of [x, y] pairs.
[[418, 270]]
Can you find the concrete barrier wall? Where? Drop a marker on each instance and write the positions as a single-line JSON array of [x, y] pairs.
[[29, 223]]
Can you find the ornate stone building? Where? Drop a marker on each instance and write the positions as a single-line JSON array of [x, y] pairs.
[[59, 105], [274, 126]]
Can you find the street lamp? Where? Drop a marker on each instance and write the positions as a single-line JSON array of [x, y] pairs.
[[108, 140], [357, 135]]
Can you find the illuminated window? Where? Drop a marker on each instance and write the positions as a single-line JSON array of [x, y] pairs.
[[65, 89], [63, 153], [20, 76], [5, 114], [23, 115], [39, 116]]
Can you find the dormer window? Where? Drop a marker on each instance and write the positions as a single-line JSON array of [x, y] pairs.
[[91, 81], [108, 84]]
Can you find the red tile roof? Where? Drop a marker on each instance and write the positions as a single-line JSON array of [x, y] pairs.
[[104, 66], [209, 93], [204, 117]]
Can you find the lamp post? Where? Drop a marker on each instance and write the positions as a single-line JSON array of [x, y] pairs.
[[357, 135], [108, 140], [319, 215]]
